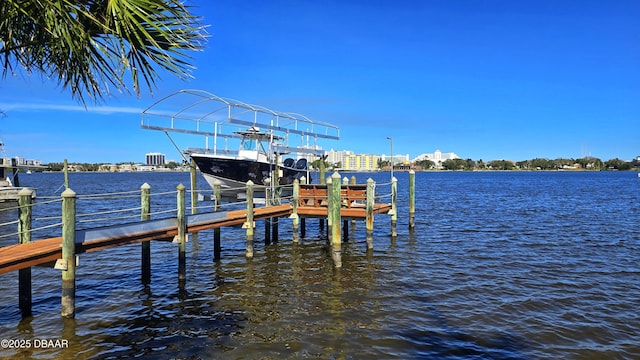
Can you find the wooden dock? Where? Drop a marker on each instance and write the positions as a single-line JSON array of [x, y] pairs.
[[309, 201]]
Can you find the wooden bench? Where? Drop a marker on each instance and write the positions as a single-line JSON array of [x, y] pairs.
[[315, 195]]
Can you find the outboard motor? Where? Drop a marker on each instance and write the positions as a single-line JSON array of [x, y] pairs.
[[301, 164], [288, 162]]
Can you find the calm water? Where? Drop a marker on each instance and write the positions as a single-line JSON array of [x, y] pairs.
[[502, 265]]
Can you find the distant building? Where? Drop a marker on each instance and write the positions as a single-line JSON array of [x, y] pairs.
[[362, 162], [156, 159], [438, 157], [347, 160], [396, 159]]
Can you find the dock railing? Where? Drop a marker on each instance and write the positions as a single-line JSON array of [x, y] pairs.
[[93, 222]]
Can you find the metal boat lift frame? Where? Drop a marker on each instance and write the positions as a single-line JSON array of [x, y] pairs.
[[210, 115]]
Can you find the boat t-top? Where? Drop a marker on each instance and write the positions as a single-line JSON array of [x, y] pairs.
[[273, 148]]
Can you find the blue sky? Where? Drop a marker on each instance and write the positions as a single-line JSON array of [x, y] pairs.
[[492, 79]]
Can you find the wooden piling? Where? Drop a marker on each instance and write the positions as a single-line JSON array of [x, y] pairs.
[[335, 204], [182, 236], [294, 215], [24, 233], [68, 262], [394, 207], [249, 224], [217, 195], [145, 215], [412, 199], [65, 169], [371, 187]]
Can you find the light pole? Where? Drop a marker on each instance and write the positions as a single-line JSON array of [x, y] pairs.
[[391, 151]]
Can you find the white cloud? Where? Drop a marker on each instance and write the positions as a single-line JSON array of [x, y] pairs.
[[35, 107]]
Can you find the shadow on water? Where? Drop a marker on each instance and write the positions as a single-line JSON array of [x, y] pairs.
[[449, 342]]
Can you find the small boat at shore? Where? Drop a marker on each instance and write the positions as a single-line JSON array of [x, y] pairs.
[[10, 168], [9, 190]]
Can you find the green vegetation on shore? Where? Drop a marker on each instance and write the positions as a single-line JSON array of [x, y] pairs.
[[586, 163]]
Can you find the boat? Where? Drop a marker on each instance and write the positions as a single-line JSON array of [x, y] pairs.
[[273, 148], [10, 189], [252, 162]]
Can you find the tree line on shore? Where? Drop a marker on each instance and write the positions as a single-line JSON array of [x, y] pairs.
[[585, 163]]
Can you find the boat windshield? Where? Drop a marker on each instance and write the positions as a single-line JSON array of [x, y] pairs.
[[249, 144]]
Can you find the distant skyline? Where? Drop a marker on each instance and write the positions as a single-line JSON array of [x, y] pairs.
[[488, 80]]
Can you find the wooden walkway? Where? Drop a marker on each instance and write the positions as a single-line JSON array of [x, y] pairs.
[[311, 205]]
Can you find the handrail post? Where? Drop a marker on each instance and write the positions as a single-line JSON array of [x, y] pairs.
[[24, 230], [145, 215], [334, 211], [294, 213], [68, 253], [394, 207], [412, 199], [371, 188], [249, 224], [182, 238]]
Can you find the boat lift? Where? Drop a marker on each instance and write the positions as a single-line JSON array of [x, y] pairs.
[[218, 119]]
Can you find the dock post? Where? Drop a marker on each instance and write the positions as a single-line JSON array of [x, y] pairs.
[[267, 203], [145, 215], [182, 236], [294, 213], [217, 194], [24, 231], [334, 214], [249, 225], [65, 169], [371, 189], [345, 222], [412, 200], [68, 253], [194, 194], [394, 207], [303, 221]]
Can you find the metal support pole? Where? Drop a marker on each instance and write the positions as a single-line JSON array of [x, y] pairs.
[[194, 194], [394, 207], [294, 214], [182, 236], [249, 224], [412, 199], [217, 194]]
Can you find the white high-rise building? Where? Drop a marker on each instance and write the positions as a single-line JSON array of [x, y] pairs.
[[156, 159], [438, 157]]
